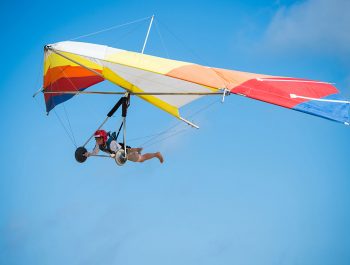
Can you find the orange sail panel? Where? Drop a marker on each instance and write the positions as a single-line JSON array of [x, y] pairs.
[[63, 75]]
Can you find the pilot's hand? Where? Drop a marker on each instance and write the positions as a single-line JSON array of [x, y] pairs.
[[112, 155], [87, 154]]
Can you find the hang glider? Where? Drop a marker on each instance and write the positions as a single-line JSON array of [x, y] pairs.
[[71, 67]]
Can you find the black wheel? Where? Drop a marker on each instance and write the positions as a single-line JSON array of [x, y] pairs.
[[79, 154]]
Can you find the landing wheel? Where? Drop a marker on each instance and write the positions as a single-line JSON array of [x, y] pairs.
[[120, 157], [79, 154]]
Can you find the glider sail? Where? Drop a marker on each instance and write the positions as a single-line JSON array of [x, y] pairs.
[[61, 74], [74, 66]]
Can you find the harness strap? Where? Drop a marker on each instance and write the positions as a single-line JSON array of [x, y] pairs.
[[120, 128]]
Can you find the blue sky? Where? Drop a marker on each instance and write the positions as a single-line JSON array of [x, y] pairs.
[[257, 184]]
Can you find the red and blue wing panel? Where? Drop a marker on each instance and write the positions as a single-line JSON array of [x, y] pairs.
[[312, 97]]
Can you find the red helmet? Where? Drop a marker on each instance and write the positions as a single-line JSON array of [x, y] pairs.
[[101, 133]]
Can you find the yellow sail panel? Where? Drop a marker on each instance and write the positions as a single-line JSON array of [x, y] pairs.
[[116, 79], [53, 60], [145, 62]]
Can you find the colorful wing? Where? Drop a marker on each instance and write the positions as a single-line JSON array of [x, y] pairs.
[[79, 65]]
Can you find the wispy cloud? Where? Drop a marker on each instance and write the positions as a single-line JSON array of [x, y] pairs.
[[317, 26]]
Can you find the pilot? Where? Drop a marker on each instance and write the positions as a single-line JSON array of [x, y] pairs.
[[108, 144]]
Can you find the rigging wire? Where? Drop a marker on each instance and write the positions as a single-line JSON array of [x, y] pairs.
[[123, 37], [64, 108], [146, 136], [167, 137], [110, 28], [189, 49], [155, 137], [161, 38], [204, 108], [62, 124], [161, 133], [65, 129], [194, 54], [69, 124]]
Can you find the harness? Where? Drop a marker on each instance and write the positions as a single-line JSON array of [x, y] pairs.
[[112, 136], [106, 147]]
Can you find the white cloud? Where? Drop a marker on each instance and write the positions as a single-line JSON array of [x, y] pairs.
[[321, 26]]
